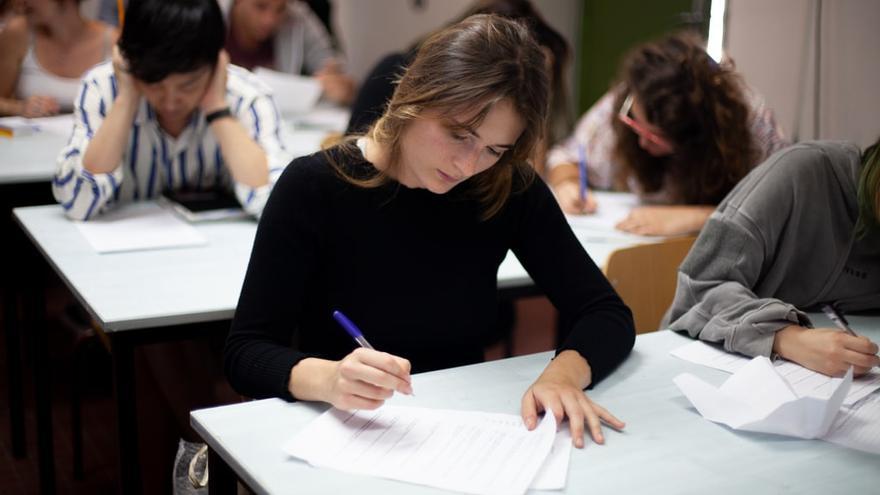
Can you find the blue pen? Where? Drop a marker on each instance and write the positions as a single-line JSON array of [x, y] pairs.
[[582, 168], [352, 329], [356, 334]]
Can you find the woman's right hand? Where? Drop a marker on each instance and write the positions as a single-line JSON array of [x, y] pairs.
[[39, 106], [826, 350], [568, 194], [364, 379]]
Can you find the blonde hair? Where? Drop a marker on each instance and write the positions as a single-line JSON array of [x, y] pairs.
[[473, 64]]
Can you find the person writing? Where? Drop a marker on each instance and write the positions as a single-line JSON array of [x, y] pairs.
[[678, 129], [169, 112], [285, 35], [799, 232], [403, 231]]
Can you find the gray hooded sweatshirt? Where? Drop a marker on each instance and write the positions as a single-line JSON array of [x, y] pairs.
[[783, 239]]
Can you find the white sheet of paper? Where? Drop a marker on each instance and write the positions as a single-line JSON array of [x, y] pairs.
[[293, 94], [57, 124], [471, 452], [554, 472], [757, 398], [802, 380], [139, 226], [858, 427]]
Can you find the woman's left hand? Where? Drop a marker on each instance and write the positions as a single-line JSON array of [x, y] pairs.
[[560, 389], [666, 220]]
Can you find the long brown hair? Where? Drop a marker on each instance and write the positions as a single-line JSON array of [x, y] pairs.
[[869, 191], [470, 65], [700, 106]]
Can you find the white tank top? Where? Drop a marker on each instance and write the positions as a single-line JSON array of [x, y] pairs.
[[35, 80]]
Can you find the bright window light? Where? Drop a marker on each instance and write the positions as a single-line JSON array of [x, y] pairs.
[[716, 29]]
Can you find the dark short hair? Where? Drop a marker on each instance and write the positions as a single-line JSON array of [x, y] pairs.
[[163, 37]]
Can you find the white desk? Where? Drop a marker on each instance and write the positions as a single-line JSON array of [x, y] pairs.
[[31, 158], [157, 295], [151, 296], [666, 448]]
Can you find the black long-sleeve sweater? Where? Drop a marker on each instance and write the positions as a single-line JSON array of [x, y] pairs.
[[416, 271]]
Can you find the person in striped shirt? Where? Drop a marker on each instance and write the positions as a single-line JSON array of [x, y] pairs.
[[168, 113]]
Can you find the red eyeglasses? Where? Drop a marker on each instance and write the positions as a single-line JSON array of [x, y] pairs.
[[663, 145]]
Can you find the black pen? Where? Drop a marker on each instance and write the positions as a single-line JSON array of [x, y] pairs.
[[838, 319]]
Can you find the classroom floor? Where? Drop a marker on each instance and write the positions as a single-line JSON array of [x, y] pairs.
[[535, 320]]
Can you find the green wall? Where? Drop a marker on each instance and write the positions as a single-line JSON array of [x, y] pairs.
[[611, 27]]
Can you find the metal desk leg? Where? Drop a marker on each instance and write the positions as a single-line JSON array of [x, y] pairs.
[[126, 410], [221, 479]]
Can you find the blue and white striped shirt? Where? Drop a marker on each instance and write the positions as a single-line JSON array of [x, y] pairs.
[[153, 161]]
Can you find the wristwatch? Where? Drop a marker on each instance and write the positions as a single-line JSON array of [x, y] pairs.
[[218, 114]]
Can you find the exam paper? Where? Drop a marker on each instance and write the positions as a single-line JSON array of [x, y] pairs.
[[554, 472], [470, 452], [293, 94], [139, 226], [858, 427], [757, 398], [61, 125], [802, 380]]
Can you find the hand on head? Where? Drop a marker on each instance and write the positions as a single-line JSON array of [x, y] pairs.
[[125, 85], [215, 94]]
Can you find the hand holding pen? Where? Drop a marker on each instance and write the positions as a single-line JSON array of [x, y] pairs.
[[571, 186], [837, 318], [827, 350], [365, 378]]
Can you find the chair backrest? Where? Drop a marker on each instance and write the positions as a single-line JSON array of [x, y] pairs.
[[645, 277]]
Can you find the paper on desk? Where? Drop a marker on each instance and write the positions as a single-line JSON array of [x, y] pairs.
[[757, 398], [139, 226], [471, 452], [554, 472], [60, 125], [801, 379], [858, 427], [293, 94]]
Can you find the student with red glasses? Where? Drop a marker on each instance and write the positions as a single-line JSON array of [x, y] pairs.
[[678, 129]]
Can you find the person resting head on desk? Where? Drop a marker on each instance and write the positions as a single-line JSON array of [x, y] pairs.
[[169, 112], [800, 231], [403, 230], [678, 128], [285, 35], [45, 52]]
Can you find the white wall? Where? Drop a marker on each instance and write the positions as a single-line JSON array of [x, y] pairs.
[[370, 29], [771, 43]]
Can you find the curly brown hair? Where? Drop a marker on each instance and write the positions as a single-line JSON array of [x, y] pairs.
[[701, 107]]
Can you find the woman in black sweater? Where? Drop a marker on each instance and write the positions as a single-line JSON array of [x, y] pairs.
[[404, 231]]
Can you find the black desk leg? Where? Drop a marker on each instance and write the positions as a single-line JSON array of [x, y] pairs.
[[126, 410], [11, 325], [221, 479], [42, 384]]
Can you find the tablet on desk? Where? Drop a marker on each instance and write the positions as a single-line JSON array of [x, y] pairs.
[[202, 206]]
